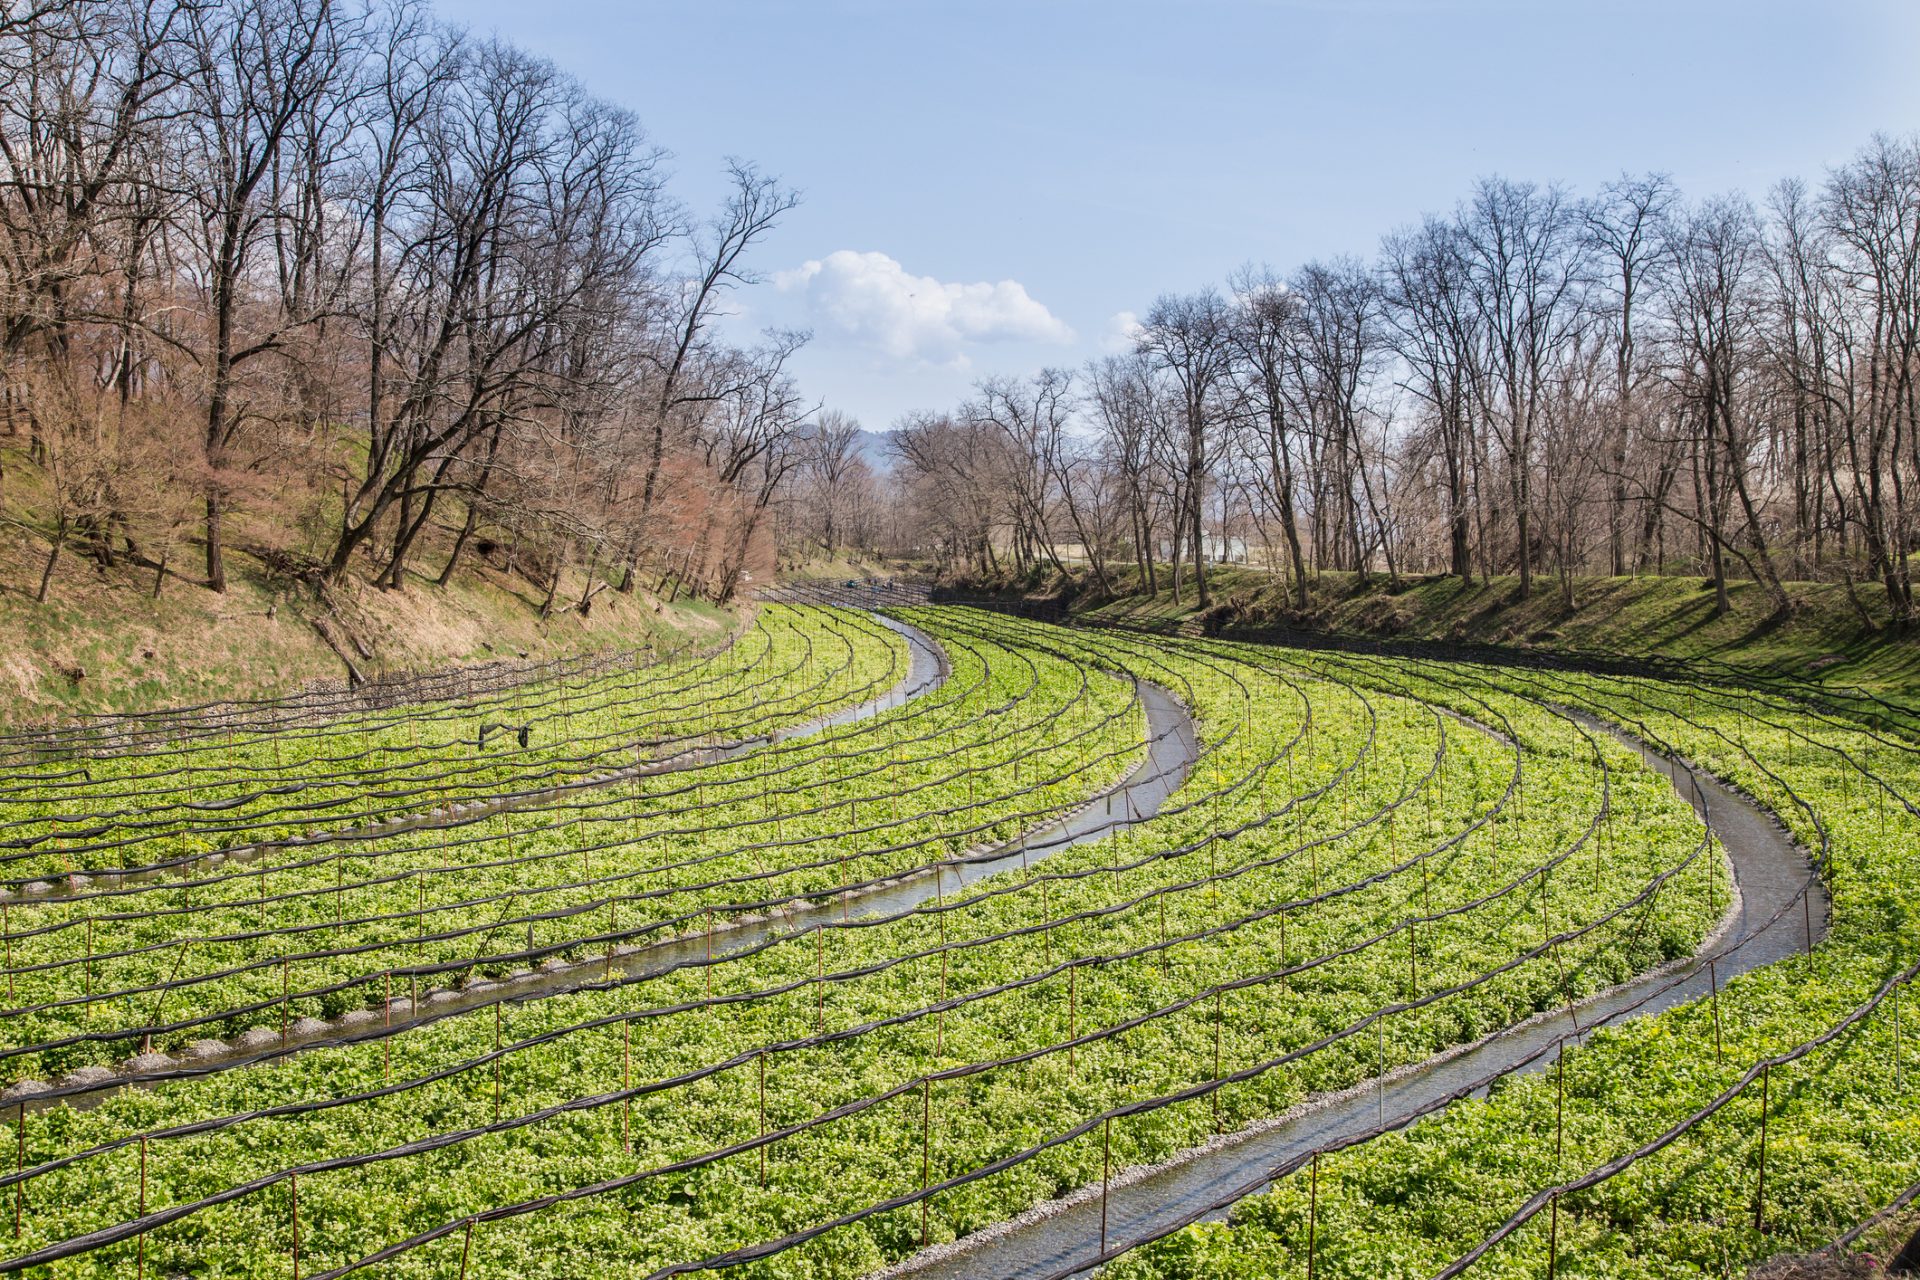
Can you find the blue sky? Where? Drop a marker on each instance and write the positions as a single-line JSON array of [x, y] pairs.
[[990, 187]]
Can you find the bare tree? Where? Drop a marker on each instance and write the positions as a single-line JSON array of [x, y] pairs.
[[522, 265], [1130, 413], [1266, 337], [1716, 309], [1872, 207], [835, 472], [756, 205], [1335, 351], [252, 69], [1190, 338], [952, 470], [1525, 268], [1627, 226], [1433, 328]]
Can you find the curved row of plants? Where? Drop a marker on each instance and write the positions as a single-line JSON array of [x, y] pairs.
[[1356, 873], [1703, 1140], [103, 817], [356, 924]]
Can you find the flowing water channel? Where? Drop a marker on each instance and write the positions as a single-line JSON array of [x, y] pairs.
[[1781, 909]]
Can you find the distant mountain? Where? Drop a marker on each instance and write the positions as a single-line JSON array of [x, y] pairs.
[[876, 448]]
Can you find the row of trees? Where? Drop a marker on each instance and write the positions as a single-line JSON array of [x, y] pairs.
[[1532, 384], [318, 279]]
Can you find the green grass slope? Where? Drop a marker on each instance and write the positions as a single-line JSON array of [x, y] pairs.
[[1830, 635]]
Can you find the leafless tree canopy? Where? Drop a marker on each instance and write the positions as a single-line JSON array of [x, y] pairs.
[[1535, 384], [344, 267], [348, 291]]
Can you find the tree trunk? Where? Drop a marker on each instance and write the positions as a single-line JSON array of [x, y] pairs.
[[404, 539], [1523, 527], [553, 587], [1199, 547], [459, 544], [53, 558], [216, 561]]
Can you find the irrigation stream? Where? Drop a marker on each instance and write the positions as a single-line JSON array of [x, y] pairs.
[[1172, 749], [927, 671], [1780, 910]]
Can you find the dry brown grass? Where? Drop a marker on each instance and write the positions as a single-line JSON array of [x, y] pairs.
[[102, 642]]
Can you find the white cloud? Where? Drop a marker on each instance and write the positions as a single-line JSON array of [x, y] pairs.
[[1123, 330], [871, 298]]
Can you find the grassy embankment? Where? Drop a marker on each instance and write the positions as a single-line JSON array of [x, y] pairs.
[[1825, 637], [103, 640]]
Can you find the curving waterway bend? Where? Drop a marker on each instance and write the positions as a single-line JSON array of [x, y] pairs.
[[1780, 909], [1171, 749]]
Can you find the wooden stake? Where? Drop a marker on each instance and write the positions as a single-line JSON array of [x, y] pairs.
[[1106, 1169], [1046, 910], [1546, 915], [1713, 976], [1072, 1010], [926, 1153], [293, 1180], [1553, 1240], [1560, 1107], [20, 1187], [1217, 1019], [1760, 1186], [1806, 912], [1313, 1212], [1380, 1089], [466, 1247]]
